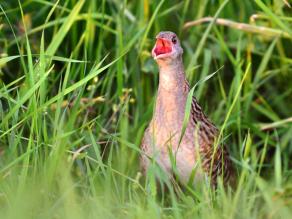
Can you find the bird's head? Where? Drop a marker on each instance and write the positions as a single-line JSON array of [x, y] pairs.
[[167, 47]]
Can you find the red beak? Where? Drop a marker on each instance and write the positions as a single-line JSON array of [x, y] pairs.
[[162, 46]]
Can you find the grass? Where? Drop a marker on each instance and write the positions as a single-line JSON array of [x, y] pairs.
[[77, 90]]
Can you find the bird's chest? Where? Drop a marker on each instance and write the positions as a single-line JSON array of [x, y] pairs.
[[169, 134], [168, 123]]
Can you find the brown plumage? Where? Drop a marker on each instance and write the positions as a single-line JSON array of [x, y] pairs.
[[164, 131]]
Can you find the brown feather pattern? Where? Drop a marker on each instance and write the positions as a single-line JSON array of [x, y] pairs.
[[215, 160]]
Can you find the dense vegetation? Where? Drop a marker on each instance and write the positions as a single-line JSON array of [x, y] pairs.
[[77, 90]]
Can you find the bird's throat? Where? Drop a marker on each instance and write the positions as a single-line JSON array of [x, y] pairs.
[[171, 75]]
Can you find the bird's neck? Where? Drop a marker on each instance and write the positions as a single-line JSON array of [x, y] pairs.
[[171, 76], [172, 94]]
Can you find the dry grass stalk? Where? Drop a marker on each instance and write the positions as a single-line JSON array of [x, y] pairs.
[[266, 31]]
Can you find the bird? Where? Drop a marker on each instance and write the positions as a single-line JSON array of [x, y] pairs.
[[164, 141]]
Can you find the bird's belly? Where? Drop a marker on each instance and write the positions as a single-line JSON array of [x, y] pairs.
[[186, 163], [187, 166]]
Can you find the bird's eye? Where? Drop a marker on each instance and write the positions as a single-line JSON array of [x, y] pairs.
[[173, 40]]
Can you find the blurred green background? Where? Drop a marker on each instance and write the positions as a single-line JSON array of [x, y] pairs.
[[77, 89]]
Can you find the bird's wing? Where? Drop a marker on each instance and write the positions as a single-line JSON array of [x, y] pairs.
[[215, 158]]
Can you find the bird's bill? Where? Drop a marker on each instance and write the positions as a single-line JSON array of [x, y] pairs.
[[162, 46]]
